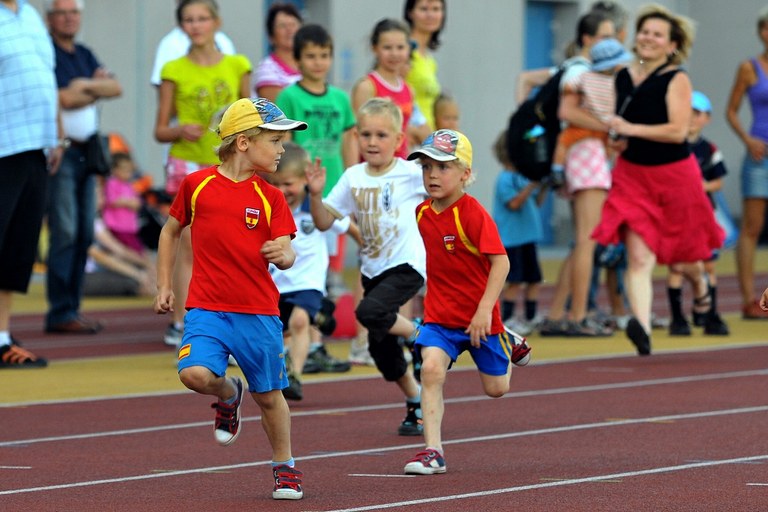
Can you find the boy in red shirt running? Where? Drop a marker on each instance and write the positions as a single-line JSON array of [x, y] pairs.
[[239, 224], [467, 266]]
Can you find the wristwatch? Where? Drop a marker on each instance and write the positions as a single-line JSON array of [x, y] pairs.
[[65, 143]]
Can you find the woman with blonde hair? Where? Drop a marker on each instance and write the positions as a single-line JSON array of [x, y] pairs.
[[656, 204]]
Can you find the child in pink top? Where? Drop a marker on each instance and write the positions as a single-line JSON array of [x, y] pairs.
[[122, 202]]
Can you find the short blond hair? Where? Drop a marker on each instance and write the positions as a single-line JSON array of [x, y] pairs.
[[382, 107], [227, 146]]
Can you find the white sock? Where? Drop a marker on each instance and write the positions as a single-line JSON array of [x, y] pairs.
[[5, 338]]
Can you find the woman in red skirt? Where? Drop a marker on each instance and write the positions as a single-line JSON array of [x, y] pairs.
[[657, 204]]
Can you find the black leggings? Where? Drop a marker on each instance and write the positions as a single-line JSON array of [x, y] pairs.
[[377, 312]]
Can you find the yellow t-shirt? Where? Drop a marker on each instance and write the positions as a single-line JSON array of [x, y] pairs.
[[423, 80], [201, 92]]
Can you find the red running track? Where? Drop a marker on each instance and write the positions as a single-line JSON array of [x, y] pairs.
[[676, 432]]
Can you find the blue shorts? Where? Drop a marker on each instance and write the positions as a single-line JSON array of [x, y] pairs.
[[255, 341], [754, 178], [492, 358], [309, 300]]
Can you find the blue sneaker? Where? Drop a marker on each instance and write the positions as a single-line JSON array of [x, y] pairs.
[[428, 462]]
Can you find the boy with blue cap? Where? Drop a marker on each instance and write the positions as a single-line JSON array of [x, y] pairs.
[[713, 170]]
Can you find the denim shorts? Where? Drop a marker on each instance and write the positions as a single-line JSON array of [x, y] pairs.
[[754, 178]]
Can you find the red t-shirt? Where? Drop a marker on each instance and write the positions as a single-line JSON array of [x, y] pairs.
[[457, 241], [403, 98], [230, 222]]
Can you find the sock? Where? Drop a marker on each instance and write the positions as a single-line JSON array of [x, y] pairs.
[[438, 450], [179, 326], [5, 338], [507, 309], [231, 401], [290, 463], [314, 346], [416, 400], [558, 168], [530, 309], [675, 303]]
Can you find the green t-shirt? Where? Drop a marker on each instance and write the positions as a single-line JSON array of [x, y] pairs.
[[328, 116], [201, 92]]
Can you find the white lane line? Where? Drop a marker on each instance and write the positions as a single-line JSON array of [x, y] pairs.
[[379, 407], [376, 376], [15, 467], [380, 475], [368, 451], [573, 481]]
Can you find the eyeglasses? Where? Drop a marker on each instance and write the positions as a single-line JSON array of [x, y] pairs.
[[72, 12]]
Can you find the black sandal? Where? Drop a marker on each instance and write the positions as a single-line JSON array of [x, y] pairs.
[[639, 337]]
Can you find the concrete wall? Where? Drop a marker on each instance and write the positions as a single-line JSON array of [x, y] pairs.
[[478, 62]]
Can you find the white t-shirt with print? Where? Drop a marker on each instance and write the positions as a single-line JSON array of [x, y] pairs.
[[384, 207]]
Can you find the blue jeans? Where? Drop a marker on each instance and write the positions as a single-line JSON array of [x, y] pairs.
[[71, 213]]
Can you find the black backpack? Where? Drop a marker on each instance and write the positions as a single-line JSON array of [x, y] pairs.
[[533, 130]]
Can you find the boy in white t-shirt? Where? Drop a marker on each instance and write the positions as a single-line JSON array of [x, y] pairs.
[[303, 302], [382, 193]]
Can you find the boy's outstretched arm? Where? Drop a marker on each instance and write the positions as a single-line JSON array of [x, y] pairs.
[[316, 183], [480, 326], [279, 252], [167, 247]]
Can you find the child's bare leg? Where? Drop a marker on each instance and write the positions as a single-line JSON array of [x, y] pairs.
[[299, 327], [276, 422], [615, 296], [409, 385], [202, 380], [433, 372]]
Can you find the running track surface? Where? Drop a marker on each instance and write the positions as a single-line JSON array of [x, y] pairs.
[[674, 431]]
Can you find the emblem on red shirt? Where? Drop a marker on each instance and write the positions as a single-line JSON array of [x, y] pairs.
[[251, 217], [449, 241]]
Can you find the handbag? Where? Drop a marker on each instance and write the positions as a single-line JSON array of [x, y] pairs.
[[98, 159]]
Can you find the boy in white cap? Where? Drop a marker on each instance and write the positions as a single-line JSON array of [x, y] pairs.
[[240, 224], [466, 269]]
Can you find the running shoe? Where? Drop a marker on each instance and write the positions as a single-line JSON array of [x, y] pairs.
[[679, 327], [428, 462], [226, 426], [172, 336], [287, 483], [521, 351], [412, 424], [320, 361], [358, 352], [715, 325], [294, 390]]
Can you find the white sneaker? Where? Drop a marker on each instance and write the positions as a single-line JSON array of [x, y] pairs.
[[172, 336], [359, 354], [521, 327]]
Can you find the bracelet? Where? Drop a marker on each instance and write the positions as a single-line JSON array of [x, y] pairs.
[[65, 143]]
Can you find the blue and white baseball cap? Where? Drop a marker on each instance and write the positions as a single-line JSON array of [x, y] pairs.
[[700, 102]]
